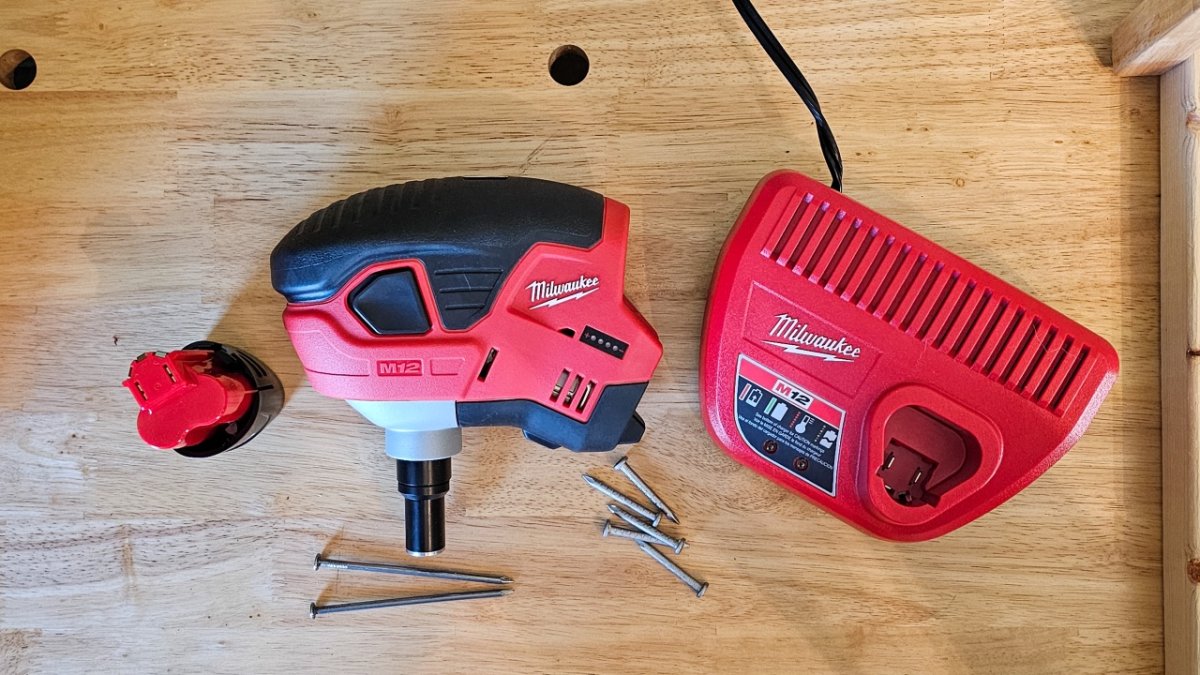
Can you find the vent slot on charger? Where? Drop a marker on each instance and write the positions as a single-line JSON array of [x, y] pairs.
[[926, 298]]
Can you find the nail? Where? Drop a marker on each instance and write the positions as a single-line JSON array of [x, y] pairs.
[[407, 570], [315, 610], [613, 531], [608, 490], [644, 527], [622, 465], [698, 586]]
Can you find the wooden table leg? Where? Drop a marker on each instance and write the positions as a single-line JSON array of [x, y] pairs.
[[1162, 37], [1180, 120]]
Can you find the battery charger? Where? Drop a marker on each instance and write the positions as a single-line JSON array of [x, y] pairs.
[[881, 376]]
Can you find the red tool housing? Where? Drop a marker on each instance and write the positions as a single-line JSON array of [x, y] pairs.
[[503, 295], [533, 344]]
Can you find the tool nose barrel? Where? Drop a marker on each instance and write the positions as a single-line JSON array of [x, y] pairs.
[[424, 485], [425, 526]]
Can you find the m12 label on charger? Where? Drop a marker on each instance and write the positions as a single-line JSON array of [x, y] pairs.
[[788, 425], [798, 396]]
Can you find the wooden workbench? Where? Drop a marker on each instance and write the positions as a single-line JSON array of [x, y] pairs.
[[165, 147]]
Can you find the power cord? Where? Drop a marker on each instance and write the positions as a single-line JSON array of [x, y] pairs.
[[829, 148]]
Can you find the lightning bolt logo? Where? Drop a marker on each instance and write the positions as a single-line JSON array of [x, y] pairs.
[[566, 298], [793, 349]]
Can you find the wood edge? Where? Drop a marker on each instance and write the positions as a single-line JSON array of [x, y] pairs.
[[1156, 36], [1180, 379]]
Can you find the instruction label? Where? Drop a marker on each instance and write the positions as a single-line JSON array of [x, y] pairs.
[[788, 425]]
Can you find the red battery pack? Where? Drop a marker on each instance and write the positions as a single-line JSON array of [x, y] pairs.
[[880, 376]]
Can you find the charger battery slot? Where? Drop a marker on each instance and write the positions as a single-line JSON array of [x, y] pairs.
[[926, 457]]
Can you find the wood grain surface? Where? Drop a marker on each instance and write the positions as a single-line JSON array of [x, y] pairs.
[[166, 146], [1156, 36]]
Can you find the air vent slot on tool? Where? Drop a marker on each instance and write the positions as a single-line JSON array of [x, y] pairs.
[[558, 386], [926, 298], [585, 395], [578, 392], [487, 364], [571, 392]]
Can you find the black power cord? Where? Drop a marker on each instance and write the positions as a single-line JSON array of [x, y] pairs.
[[829, 148]]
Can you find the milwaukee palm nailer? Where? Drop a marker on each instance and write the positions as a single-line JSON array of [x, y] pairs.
[[462, 302]]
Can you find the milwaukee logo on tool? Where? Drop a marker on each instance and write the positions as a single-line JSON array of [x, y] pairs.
[[820, 346], [549, 293]]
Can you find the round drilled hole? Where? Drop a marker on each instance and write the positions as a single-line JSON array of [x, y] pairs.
[[569, 65], [18, 69]]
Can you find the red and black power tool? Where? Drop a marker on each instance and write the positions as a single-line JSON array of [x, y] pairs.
[[881, 376], [464, 302]]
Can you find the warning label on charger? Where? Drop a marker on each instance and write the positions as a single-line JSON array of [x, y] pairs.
[[788, 425]]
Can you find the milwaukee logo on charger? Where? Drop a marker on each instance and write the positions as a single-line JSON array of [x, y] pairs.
[[804, 342], [550, 293]]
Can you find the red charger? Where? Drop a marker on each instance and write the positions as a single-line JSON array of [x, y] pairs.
[[880, 376]]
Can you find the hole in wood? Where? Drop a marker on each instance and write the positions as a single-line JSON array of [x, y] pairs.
[[18, 69], [569, 65]]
